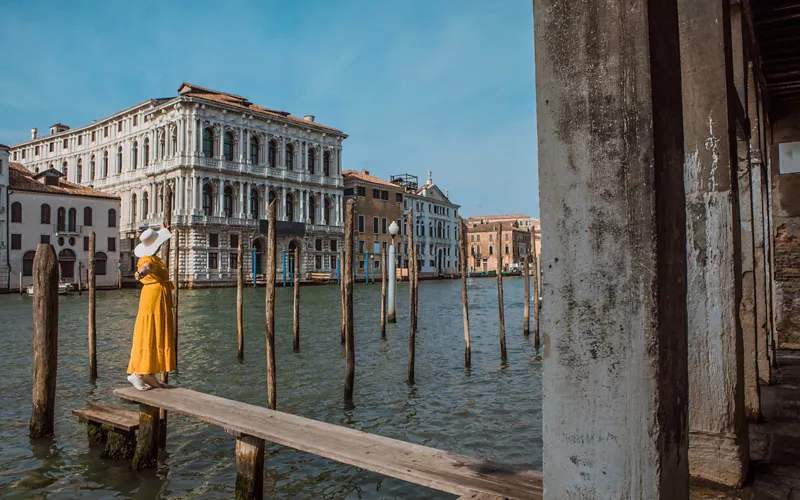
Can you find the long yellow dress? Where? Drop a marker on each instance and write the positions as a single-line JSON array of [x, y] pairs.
[[154, 334]]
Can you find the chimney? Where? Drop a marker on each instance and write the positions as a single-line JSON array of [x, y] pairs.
[[365, 172], [309, 118], [34, 133]]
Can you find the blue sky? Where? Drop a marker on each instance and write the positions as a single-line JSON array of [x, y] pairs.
[[445, 85]]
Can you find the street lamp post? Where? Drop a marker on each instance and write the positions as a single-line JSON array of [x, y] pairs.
[[392, 261]]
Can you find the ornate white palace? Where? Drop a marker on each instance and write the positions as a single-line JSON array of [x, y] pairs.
[[223, 159]]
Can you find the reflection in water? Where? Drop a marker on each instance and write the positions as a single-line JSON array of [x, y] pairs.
[[492, 410]]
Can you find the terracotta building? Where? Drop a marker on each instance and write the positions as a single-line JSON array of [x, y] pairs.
[[484, 247], [522, 220], [378, 203]]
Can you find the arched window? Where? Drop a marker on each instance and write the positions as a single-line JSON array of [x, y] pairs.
[[112, 218], [312, 160], [135, 155], [161, 147], [45, 216], [66, 262], [27, 263], [79, 171], [91, 168], [100, 263], [208, 143], [227, 201], [119, 160], [227, 146], [326, 202], [146, 151], [51, 167], [272, 153], [289, 160], [491, 250], [87, 216], [326, 164], [173, 139], [133, 208], [312, 210], [254, 145], [506, 249], [61, 216], [72, 224], [16, 212], [254, 204], [104, 171], [289, 208], [145, 205], [208, 200], [64, 169]]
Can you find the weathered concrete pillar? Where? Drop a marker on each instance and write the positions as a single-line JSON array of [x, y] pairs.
[[614, 254], [759, 249], [718, 445]]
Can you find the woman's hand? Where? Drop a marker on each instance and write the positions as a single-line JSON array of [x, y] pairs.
[[142, 272]]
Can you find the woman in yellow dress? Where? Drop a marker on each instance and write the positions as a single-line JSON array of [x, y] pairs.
[[154, 334]]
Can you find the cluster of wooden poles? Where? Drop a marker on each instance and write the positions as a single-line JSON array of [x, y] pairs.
[[45, 311]]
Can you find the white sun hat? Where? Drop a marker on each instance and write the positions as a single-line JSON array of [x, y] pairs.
[[150, 241]]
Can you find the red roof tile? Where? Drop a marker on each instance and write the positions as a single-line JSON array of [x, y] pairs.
[[352, 175], [22, 179]]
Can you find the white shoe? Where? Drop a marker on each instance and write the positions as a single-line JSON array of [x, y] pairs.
[[138, 382]]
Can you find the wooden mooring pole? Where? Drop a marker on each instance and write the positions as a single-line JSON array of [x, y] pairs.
[[80, 283], [21, 288], [272, 248], [536, 309], [175, 269], [412, 297], [45, 341], [526, 308], [239, 298], [165, 254], [464, 256], [347, 278], [384, 280], [91, 282], [498, 252], [296, 315], [342, 267], [249, 467]]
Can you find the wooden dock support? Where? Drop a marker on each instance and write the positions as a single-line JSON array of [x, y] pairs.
[[526, 309], [498, 252], [45, 340], [175, 268], [146, 454], [272, 248], [347, 278], [342, 294], [464, 257], [296, 315], [412, 298], [249, 467], [239, 298], [536, 308], [384, 283], [91, 282]]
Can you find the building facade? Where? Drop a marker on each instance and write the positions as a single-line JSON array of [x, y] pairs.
[[223, 159], [44, 208], [523, 222], [377, 204], [484, 248], [5, 274], [436, 226]]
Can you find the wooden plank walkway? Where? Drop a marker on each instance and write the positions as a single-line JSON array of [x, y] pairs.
[[118, 418], [444, 471]]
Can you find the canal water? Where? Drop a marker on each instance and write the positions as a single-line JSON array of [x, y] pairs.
[[491, 411]]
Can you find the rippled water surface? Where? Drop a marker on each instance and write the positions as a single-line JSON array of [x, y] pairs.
[[491, 411]]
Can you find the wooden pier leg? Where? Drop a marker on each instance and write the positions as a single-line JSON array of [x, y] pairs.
[[91, 282], [239, 297], [536, 309], [296, 315], [342, 294], [80, 275], [45, 340], [119, 444], [526, 309], [272, 245], [412, 297], [347, 278], [146, 454], [249, 467], [498, 252], [462, 228], [95, 432], [384, 280]]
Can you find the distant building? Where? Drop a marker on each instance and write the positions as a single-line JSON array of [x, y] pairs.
[[378, 203], [45, 208], [436, 225], [484, 247], [523, 222], [4, 176], [224, 159]]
